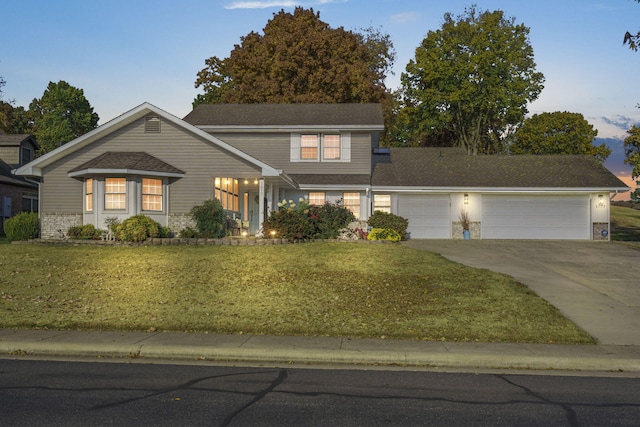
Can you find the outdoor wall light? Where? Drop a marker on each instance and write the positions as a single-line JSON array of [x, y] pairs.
[[466, 199], [600, 201], [246, 181], [255, 181]]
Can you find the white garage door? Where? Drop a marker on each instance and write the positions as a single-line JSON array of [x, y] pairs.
[[428, 215], [535, 217]]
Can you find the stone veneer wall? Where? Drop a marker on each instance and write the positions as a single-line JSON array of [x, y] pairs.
[[598, 228], [178, 222], [474, 230], [55, 225]]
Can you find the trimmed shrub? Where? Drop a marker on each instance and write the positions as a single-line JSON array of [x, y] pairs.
[[388, 220], [84, 232], [188, 233], [290, 224], [384, 234], [136, 229], [210, 219], [23, 226], [329, 219]]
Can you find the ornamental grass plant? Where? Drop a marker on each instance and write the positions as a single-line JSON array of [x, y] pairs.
[[311, 289]]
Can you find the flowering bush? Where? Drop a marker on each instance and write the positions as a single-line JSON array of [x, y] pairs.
[[384, 234], [356, 230]]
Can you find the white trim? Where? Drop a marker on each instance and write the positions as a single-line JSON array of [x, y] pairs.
[[287, 129], [96, 171], [528, 190]]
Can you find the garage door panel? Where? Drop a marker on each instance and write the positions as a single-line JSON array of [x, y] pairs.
[[535, 217], [428, 215]]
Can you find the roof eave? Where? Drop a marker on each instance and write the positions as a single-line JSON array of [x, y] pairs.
[[105, 171], [293, 128]]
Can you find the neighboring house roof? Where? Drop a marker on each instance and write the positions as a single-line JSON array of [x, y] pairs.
[[35, 167], [15, 139], [287, 116], [6, 177], [126, 162], [453, 168]]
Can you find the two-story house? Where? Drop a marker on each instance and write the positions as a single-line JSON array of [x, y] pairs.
[[17, 194], [251, 156]]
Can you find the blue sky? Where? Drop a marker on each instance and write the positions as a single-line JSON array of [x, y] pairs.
[[123, 53]]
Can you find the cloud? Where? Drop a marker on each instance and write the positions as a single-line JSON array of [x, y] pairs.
[[401, 18], [615, 126], [265, 4]]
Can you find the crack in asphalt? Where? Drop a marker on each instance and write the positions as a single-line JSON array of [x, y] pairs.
[[282, 376]]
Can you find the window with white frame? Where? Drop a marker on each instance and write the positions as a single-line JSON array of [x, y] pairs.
[[321, 147], [352, 202], [151, 194], [331, 147], [309, 147], [115, 193], [382, 203], [316, 198], [88, 194]]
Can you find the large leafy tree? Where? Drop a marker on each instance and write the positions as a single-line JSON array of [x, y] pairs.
[[469, 83], [300, 58], [558, 133], [60, 115], [632, 155], [633, 40]]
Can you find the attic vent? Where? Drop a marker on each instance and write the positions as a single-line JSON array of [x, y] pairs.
[[152, 125]]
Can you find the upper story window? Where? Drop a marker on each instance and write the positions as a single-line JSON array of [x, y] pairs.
[[151, 194], [331, 147], [321, 147], [115, 193], [309, 147], [26, 155]]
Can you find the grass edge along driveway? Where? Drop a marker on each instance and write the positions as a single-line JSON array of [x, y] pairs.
[[312, 289]]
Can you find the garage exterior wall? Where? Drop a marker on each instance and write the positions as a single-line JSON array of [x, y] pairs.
[[570, 216]]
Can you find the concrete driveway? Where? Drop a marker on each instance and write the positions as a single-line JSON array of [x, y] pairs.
[[595, 284]]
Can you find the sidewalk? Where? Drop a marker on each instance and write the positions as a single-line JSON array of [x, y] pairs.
[[318, 350]]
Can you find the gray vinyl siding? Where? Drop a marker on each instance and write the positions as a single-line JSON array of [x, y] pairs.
[[201, 160], [275, 150]]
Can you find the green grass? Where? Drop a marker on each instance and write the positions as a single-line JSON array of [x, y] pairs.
[[316, 289], [625, 224]]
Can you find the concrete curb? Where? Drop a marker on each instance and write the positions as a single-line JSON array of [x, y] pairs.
[[318, 350]]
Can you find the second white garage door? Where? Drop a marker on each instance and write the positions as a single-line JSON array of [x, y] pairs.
[[429, 215], [535, 217]]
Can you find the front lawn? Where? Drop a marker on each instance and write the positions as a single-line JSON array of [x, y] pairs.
[[625, 224], [321, 289]]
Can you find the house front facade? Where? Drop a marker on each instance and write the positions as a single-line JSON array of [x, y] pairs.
[[252, 156]]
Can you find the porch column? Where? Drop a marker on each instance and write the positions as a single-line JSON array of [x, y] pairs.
[[270, 199], [260, 206]]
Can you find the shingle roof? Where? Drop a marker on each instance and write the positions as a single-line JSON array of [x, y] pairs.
[[451, 167], [14, 139], [139, 161], [286, 115], [6, 177], [342, 179]]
